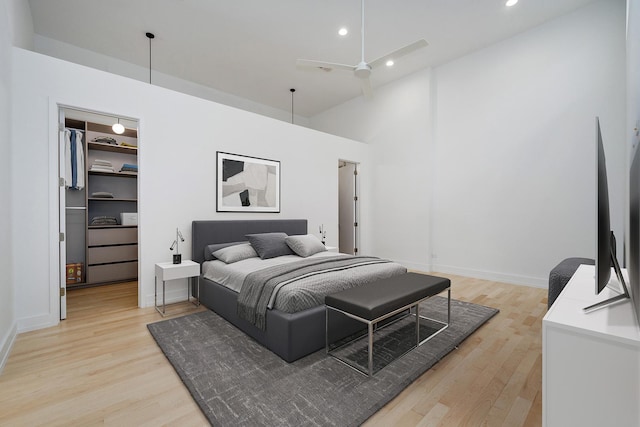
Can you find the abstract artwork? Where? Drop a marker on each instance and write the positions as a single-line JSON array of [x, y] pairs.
[[247, 184]]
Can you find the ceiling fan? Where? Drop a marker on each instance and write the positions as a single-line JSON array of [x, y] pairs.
[[363, 69]]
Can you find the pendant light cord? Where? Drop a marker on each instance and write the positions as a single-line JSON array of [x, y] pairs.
[[150, 36], [292, 91]]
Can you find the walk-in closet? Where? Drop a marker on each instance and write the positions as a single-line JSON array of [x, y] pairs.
[[99, 192]]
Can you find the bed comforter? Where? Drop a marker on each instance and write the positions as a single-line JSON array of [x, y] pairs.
[[312, 280]]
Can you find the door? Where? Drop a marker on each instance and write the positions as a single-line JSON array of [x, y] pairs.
[[62, 215], [347, 208]]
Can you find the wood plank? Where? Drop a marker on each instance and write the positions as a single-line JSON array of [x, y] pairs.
[[101, 366]]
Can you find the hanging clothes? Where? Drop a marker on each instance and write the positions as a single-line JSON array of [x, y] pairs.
[[74, 159]]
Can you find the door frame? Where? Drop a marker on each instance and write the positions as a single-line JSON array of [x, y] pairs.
[[56, 210], [356, 205], [62, 214]]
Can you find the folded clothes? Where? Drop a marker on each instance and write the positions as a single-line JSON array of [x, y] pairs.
[[96, 168], [129, 165], [104, 220], [102, 194], [104, 140], [126, 144], [102, 162]]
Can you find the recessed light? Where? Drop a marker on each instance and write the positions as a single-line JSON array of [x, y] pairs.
[[510, 3], [343, 31], [389, 63]]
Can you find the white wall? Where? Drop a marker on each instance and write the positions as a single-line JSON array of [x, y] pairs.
[[99, 61], [396, 123], [515, 147], [503, 146], [633, 73], [7, 316], [16, 28], [21, 23], [179, 137]]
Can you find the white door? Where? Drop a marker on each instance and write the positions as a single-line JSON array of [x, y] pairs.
[[62, 216], [347, 208]]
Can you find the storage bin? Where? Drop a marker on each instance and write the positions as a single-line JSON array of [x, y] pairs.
[[74, 273], [71, 273], [129, 218]]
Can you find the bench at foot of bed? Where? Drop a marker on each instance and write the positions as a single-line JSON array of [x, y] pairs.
[[375, 305]]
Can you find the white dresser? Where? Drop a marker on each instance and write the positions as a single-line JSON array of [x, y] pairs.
[[591, 361]]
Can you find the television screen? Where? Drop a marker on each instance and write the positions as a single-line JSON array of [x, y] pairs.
[[634, 232], [603, 231], [605, 240]]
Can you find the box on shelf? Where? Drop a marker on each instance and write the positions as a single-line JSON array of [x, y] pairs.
[[74, 273], [129, 218]]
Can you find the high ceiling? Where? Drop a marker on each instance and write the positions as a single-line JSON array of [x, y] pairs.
[[249, 47]]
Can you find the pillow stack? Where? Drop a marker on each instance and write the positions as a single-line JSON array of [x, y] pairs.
[[265, 246]]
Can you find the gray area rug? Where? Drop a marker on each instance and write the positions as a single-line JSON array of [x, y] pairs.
[[237, 382]]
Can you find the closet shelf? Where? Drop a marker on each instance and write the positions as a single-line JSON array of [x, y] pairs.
[[119, 174], [95, 227], [113, 148], [105, 199]]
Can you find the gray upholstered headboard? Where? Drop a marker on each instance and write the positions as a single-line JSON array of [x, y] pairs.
[[205, 233]]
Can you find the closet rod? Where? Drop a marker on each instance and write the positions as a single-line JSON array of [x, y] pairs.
[[79, 208], [78, 130]]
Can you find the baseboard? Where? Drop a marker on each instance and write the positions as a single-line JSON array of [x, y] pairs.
[[7, 345], [171, 296], [36, 322], [513, 279], [414, 266]]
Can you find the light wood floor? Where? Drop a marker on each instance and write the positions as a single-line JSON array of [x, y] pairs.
[[102, 367]]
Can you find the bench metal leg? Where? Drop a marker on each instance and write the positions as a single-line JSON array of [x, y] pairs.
[[417, 325], [370, 348], [448, 306]]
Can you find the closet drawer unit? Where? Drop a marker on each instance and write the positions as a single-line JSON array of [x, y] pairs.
[[111, 236], [105, 254], [112, 272]]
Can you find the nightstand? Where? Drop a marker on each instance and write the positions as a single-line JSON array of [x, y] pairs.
[[169, 271], [331, 249]]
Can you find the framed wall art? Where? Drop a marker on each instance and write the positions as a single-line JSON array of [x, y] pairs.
[[247, 184]]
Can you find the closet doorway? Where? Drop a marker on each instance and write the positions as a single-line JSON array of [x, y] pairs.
[[98, 206], [347, 207]]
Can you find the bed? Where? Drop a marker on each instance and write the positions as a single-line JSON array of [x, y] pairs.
[[291, 335]]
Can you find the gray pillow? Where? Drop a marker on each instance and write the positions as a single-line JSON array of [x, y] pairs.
[[305, 245], [210, 249], [235, 253], [269, 245]]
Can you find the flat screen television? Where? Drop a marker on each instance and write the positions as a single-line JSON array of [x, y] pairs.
[[634, 231], [605, 240]]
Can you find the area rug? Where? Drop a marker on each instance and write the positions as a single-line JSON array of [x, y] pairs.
[[237, 382]]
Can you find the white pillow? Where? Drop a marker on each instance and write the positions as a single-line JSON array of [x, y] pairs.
[[235, 253], [305, 245]]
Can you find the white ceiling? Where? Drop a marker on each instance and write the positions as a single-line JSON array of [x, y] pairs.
[[249, 47]]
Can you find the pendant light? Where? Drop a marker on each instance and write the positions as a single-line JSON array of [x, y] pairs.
[[292, 91], [117, 127], [150, 36]]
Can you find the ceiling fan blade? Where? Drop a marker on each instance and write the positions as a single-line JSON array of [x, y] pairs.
[[365, 84], [327, 66], [399, 52]]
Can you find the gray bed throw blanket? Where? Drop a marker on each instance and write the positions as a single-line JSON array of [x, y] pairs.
[[259, 286]]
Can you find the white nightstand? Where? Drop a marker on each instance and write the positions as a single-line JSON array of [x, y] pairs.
[[331, 249], [169, 271]]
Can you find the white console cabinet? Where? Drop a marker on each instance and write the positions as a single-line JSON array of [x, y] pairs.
[[590, 361]]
